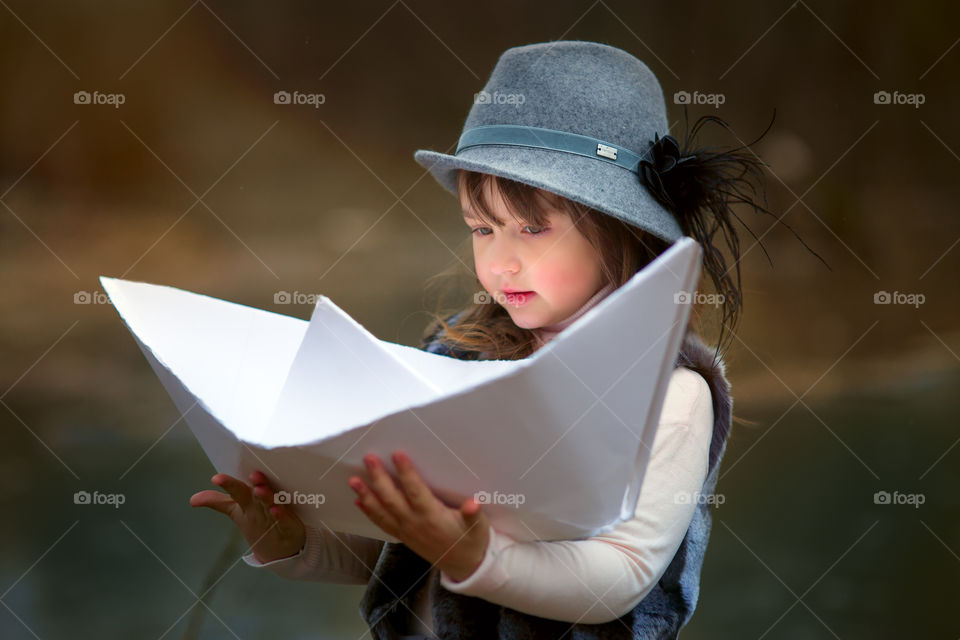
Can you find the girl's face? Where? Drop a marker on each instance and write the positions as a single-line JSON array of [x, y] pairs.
[[555, 264]]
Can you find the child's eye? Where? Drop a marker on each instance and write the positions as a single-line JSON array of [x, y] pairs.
[[481, 229]]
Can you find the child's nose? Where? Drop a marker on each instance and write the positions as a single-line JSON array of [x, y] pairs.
[[504, 259]]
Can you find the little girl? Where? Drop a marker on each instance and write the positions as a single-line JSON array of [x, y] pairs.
[[569, 184]]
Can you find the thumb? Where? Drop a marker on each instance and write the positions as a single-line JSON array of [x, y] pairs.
[[213, 499], [473, 514]]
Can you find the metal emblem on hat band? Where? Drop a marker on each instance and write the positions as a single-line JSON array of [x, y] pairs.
[[606, 151]]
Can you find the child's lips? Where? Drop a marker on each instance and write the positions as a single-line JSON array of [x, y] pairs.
[[518, 298]]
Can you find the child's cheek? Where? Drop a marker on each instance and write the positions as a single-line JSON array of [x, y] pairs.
[[571, 270], [566, 286]]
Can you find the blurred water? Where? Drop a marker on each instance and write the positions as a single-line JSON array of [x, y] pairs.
[[128, 571], [798, 520]]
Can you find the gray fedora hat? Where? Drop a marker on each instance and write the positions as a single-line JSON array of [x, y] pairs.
[[571, 117]]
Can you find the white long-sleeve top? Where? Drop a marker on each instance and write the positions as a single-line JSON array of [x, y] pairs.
[[593, 580]]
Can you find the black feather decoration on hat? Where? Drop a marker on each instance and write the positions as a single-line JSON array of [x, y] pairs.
[[699, 185]]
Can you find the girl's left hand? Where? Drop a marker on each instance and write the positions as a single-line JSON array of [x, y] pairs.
[[454, 540]]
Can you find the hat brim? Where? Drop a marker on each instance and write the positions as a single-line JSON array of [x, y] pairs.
[[596, 184]]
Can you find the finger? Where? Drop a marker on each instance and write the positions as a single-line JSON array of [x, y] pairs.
[[267, 496], [474, 517], [279, 512], [238, 490], [470, 507], [371, 507], [417, 492], [213, 499], [258, 478], [386, 491], [368, 502], [265, 493], [262, 489]]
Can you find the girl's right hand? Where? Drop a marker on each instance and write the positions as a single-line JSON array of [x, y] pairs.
[[273, 531]]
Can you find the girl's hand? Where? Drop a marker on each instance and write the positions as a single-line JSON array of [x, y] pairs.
[[273, 531], [455, 540]]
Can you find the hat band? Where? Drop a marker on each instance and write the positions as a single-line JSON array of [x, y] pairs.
[[542, 138]]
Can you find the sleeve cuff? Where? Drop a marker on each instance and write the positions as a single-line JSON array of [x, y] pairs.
[[490, 575], [310, 542]]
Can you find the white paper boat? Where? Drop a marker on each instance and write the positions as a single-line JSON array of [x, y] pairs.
[[558, 442]]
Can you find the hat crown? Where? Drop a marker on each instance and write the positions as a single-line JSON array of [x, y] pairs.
[[570, 117], [580, 87]]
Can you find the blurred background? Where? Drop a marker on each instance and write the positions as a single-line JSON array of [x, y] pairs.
[[143, 141]]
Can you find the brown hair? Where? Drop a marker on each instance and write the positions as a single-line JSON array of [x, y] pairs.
[[486, 330]]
